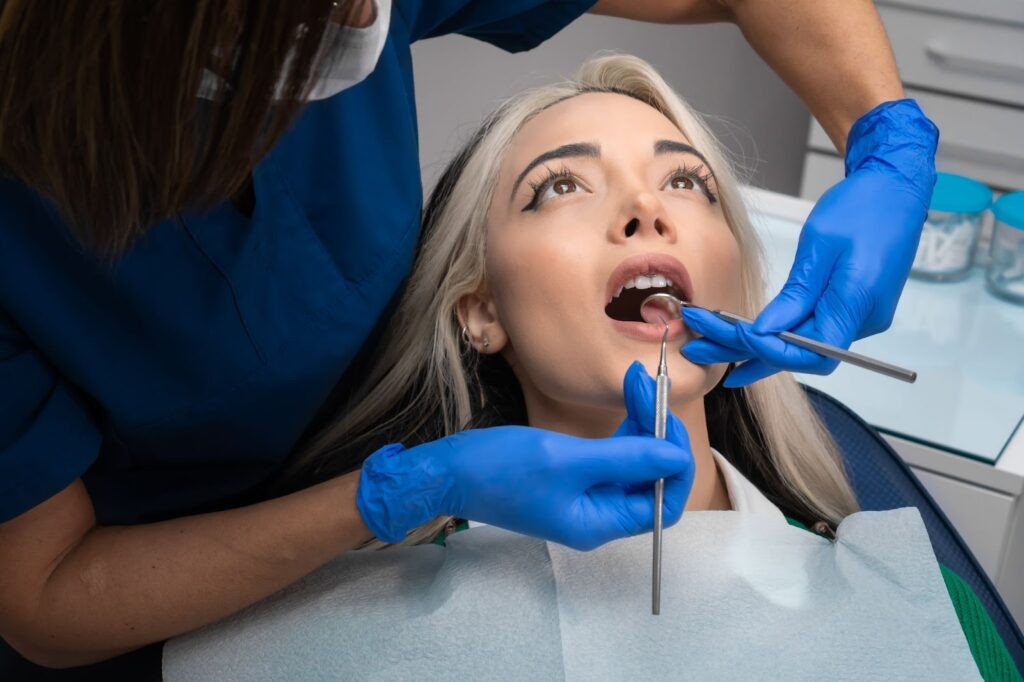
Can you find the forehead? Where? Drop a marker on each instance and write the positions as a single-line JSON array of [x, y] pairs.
[[599, 117]]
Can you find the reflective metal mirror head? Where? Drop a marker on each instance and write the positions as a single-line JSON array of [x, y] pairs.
[[661, 308]]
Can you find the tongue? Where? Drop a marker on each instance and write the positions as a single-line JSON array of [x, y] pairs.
[[659, 309]]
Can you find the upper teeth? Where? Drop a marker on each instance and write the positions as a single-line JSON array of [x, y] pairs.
[[645, 282]]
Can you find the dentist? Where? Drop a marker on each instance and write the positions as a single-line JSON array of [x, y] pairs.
[[205, 209]]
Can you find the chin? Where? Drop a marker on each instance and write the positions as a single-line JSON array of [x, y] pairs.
[[692, 381]]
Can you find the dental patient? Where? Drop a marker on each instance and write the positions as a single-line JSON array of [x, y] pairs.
[[570, 205]]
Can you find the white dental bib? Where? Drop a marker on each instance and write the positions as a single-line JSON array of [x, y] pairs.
[[744, 597]]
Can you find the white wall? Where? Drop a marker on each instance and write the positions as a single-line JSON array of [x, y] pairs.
[[459, 80]]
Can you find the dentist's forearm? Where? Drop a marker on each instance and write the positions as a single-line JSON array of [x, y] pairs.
[[122, 587], [834, 54]]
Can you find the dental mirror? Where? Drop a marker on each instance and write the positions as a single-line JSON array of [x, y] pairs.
[[660, 308]]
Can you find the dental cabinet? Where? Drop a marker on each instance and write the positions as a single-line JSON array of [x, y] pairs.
[[959, 426], [964, 63]]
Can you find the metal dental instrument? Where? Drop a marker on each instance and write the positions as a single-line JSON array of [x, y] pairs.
[[660, 425], [661, 305]]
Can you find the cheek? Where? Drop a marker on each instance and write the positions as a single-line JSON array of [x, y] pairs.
[[723, 268], [530, 277], [543, 291]]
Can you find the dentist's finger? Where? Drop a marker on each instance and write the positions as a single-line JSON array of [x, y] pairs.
[[749, 372], [641, 404], [707, 352], [633, 510], [631, 459], [711, 326]]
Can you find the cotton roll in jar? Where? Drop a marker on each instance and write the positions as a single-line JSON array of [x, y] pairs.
[[950, 232]]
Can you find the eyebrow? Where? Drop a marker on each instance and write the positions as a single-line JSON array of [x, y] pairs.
[[673, 147], [588, 149], [575, 149]]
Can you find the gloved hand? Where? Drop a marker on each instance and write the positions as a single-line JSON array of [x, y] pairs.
[[640, 391], [853, 257], [549, 485]]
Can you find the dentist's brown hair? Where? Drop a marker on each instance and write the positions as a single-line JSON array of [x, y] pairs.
[[99, 109]]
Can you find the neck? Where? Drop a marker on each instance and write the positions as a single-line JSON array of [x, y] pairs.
[[586, 421]]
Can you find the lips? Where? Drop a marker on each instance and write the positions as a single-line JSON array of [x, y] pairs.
[[644, 331], [669, 268], [650, 264]]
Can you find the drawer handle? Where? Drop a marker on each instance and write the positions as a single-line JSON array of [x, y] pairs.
[[963, 62]]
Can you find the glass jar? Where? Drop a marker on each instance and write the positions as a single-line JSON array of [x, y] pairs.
[[1005, 274], [950, 232]]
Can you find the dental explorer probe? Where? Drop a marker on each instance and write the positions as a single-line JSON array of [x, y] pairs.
[[660, 302], [660, 424]]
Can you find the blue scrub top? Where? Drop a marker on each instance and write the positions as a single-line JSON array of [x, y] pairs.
[[181, 377]]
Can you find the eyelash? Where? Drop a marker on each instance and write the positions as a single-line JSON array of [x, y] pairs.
[[564, 173], [699, 174]]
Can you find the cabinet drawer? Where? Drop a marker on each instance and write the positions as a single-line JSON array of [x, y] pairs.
[[957, 54], [981, 516], [982, 141]]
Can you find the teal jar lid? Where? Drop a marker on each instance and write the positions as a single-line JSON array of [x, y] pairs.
[[957, 194], [1009, 209]]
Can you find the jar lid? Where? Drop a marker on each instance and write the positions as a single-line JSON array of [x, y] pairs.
[[1009, 209], [957, 194]]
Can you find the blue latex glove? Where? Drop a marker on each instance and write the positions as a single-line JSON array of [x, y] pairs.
[[549, 485], [853, 257], [640, 391]]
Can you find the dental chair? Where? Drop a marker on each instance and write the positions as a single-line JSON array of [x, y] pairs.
[[882, 481]]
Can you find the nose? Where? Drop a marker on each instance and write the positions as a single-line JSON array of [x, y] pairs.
[[644, 217]]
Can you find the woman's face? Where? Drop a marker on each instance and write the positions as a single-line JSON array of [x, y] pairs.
[[599, 197]]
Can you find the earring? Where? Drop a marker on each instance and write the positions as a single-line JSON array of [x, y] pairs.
[[487, 342], [465, 336]]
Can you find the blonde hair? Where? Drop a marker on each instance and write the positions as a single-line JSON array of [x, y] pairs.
[[424, 384]]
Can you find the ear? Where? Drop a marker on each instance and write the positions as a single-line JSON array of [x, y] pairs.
[[479, 316]]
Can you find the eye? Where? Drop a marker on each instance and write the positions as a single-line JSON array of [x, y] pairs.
[[557, 183], [687, 179], [678, 181], [558, 187]]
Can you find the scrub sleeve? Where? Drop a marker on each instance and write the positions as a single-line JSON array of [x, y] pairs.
[[47, 435], [178, 380]]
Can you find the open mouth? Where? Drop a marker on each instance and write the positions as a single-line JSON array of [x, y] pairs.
[[641, 276], [626, 306]]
